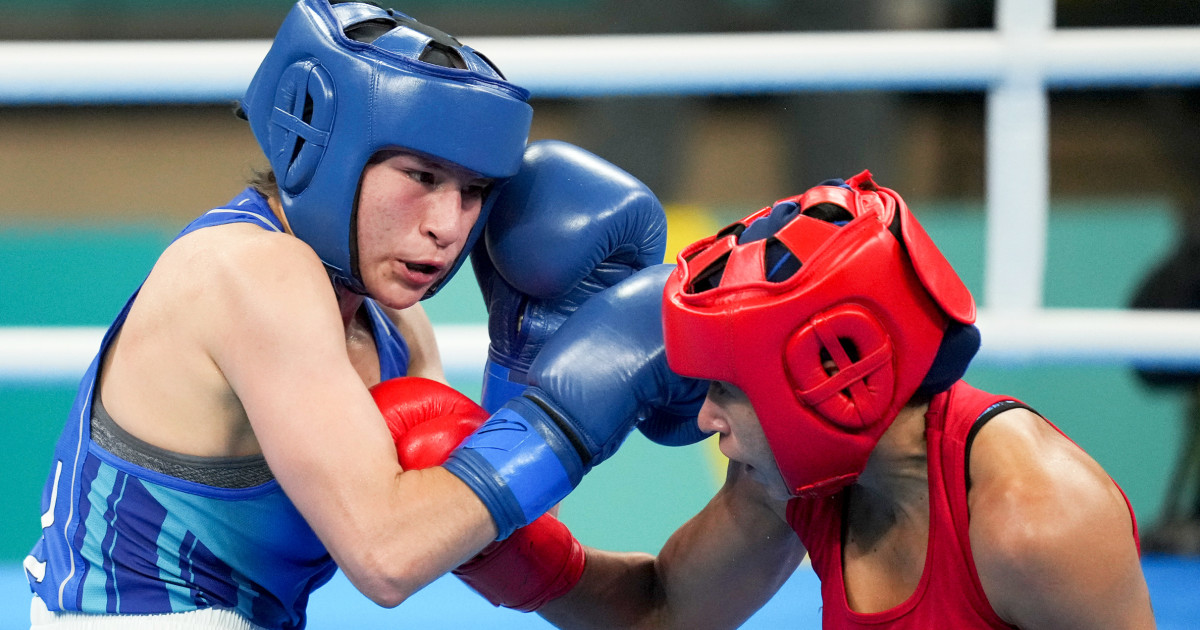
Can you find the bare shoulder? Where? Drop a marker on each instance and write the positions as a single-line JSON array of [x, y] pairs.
[[242, 257], [240, 290], [1051, 533], [203, 308], [252, 277], [1022, 467]]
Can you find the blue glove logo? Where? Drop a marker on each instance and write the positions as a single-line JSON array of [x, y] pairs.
[[505, 430]]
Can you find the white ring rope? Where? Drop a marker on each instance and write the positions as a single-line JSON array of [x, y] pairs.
[[600, 65], [1010, 338], [1015, 64], [62, 353]]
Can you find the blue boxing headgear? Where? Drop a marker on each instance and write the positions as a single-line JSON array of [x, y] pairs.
[[342, 82]]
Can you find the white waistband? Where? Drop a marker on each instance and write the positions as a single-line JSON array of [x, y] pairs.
[[203, 619]]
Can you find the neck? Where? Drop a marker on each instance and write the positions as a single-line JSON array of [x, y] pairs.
[[349, 303], [277, 209], [899, 463], [894, 486]]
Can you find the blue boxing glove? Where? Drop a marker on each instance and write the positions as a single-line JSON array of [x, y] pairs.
[[602, 373], [567, 226]]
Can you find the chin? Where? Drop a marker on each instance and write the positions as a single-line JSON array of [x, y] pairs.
[[397, 297]]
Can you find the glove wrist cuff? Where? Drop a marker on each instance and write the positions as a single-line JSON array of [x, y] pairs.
[[518, 463]]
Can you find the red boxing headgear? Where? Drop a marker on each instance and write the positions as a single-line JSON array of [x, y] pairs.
[[874, 296]]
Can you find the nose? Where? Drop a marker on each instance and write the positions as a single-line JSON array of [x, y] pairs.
[[447, 217], [711, 418]]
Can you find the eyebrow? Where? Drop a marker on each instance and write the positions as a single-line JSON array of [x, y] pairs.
[[449, 167]]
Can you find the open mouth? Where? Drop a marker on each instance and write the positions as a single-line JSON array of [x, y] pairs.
[[422, 268]]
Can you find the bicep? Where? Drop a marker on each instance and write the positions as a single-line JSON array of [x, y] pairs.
[[285, 359], [283, 352]]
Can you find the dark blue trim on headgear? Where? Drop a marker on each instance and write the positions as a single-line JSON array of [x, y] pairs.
[[958, 347], [780, 215]]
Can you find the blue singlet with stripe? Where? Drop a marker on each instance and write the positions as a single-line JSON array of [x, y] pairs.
[[120, 538]]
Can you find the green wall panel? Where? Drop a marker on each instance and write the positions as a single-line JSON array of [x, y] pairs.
[[81, 274]]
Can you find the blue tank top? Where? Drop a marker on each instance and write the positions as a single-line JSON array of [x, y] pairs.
[[120, 538]]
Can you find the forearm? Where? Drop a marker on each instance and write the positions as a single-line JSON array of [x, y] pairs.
[[617, 590], [405, 539], [637, 590]]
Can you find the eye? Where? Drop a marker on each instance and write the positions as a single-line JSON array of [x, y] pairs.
[[726, 393], [477, 190], [422, 177], [718, 391]]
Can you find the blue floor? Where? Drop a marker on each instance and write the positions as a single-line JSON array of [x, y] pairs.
[[1174, 589]]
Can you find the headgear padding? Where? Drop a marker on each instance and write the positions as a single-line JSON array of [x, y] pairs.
[[874, 296], [323, 103]]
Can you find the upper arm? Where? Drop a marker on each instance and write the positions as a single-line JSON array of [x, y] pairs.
[[714, 571], [424, 359], [283, 351], [1051, 533]]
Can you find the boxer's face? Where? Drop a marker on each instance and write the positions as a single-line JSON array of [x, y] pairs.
[[414, 216], [727, 411]]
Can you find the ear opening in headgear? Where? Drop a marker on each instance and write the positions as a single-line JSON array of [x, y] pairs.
[[306, 117], [848, 346], [303, 117]]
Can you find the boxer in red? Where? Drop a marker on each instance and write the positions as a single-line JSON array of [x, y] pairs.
[[835, 336]]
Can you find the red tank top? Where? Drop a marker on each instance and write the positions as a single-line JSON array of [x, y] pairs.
[[949, 594]]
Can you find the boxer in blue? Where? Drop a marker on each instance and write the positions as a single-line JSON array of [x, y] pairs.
[[224, 453]]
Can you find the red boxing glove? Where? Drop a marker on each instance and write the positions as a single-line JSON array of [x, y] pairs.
[[537, 563], [427, 419]]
